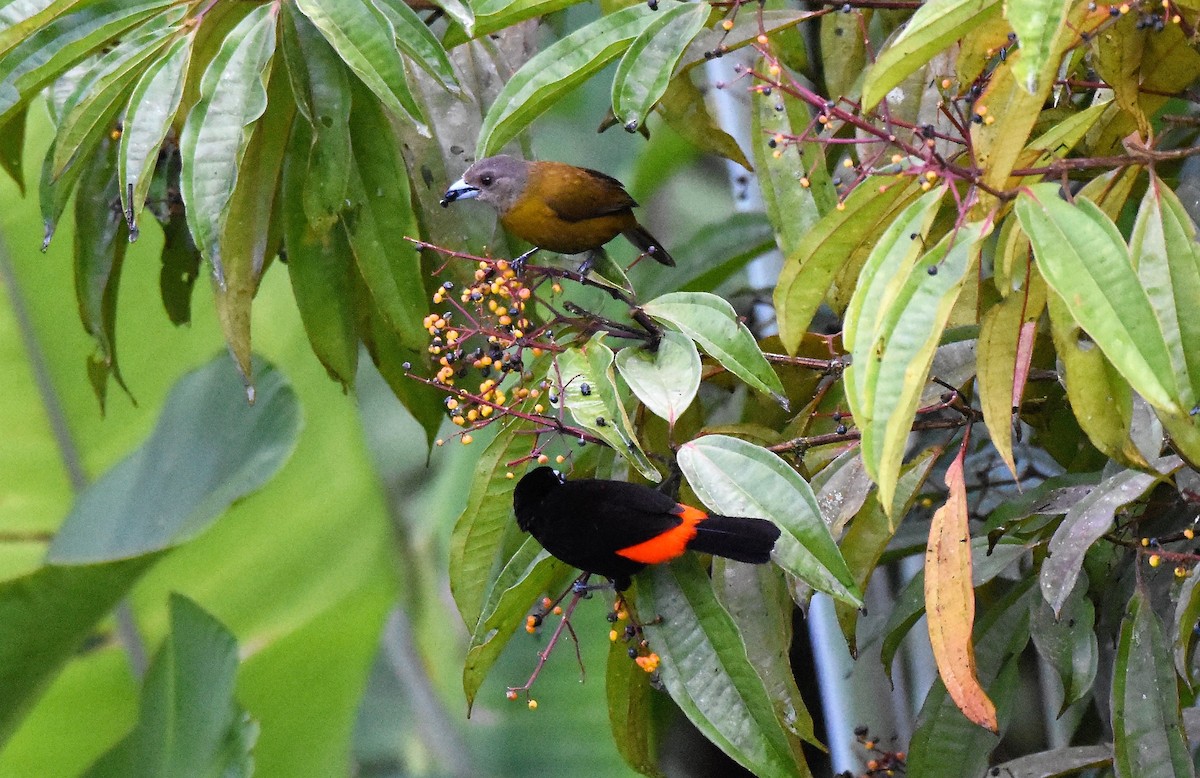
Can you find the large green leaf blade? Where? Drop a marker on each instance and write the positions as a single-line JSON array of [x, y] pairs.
[[190, 723], [233, 95], [209, 449], [643, 73], [1084, 259], [152, 107], [551, 73], [934, 26], [1164, 251], [365, 39], [885, 381], [590, 392], [705, 668], [737, 478], [665, 380], [416, 40], [1148, 736], [713, 324]]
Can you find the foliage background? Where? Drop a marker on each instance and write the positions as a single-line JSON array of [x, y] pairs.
[[334, 577]]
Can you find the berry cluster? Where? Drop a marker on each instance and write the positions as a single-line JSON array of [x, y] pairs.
[[639, 651]]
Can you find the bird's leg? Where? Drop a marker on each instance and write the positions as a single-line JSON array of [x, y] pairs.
[[518, 264], [589, 261]]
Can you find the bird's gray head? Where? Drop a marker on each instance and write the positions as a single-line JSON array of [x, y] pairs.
[[497, 181]]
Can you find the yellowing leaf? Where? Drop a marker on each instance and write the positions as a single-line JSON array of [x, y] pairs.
[[950, 602]]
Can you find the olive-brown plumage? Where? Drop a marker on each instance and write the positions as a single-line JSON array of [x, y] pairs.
[[556, 206]]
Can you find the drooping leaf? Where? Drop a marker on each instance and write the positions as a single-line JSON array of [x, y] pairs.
[[705, 669], [320, 268], [645, 69], [950, 601], [712, 323], [418, 42], [190, 722], [233, 95], [1148, 737], [321, 88], [736, 478], [557, 69], [1068, 642], [152, 107], [589, 391], [366, 41], [1087, 521], [885, 381], [667, 379]]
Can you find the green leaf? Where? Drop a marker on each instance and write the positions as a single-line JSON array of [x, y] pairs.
[[12, 149], [49, 51], [208, 450], [366, 41], [321, 88], [493, 15], [705, 669], [713, 324], [152, 107], [736, 478], [1187, 614], [556, 70], [947, 745], [485, 536], [683, 108], [915, 298], [1148, 736], [1164, 251], [667, 379], [717, 251], [792, 207], [233, 95], [645, 69], [1084, 259], [1087, 521], [831, 243], [934, 26], [1036, 23], [320, 268], [1067, 642], [418, 42], [759, 600], [530, 572], [844, 52], [190, 723], [378, 218], [588, 388], [100, 243], [97, 99]]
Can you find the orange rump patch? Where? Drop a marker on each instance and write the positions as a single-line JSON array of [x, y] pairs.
[[670, 544]]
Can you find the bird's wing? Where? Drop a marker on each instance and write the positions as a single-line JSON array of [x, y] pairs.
[[576, 193], [617, 509]]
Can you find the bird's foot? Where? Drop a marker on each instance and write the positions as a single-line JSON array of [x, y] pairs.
[[518, 264]]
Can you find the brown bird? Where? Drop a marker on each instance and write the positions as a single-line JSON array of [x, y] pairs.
[[555, 206]]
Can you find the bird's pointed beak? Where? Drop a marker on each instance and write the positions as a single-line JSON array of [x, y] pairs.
[[459, 190]]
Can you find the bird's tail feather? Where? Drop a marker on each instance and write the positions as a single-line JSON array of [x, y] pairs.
[[745, 540], [640, 237]]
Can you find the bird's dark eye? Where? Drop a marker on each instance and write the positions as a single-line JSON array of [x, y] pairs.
[[486, 180]]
